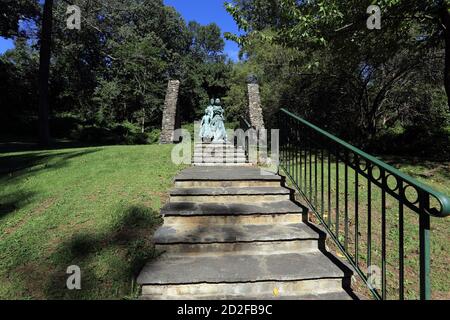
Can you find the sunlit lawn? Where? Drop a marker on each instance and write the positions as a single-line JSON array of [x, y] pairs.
[[93, 207], [98, 207]]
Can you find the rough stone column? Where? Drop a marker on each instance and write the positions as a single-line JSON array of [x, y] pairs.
[[254, 108], [170, 112]]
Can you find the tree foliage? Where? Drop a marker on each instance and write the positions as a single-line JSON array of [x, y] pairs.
[[319, 59], [12, 12], [115, 69]]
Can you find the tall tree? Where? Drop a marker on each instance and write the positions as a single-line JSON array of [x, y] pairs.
[[44, 72], [334, 68], [319, 22], [445, 19]]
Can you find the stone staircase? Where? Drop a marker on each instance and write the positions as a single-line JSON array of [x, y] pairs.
[[235, 233], [219, 154]]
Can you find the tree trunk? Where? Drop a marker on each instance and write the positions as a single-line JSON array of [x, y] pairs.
[[143, 120], [445, 18], [44, 72]]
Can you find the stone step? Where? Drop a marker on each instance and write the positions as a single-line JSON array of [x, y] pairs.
[[230, 195], [251, 275], [282, 212], [340, 295], [220, 155], [233, 232], [214, 144], [219, 150], [217, 147], [220, 173], [236, 239], [223, 157], [228, 143], [212, 164], [226, 184], [220, 161]]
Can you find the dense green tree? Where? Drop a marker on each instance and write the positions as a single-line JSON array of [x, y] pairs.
[[206, 71], [18, 86], [44, 71], [115, 69], [336, 71], [12, 12], [342, 24]]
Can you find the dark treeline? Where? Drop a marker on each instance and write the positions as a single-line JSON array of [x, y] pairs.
[[107, 81], [382, 89], [385, 90]]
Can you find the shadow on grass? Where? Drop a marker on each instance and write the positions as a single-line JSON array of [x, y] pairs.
[[14, 201], [109, 261], [29, 163]]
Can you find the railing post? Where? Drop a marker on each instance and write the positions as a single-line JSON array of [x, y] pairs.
[[424, 227]]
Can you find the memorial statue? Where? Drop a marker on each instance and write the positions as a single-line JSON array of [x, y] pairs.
[[205, 131], [218, 124], [213, 126]]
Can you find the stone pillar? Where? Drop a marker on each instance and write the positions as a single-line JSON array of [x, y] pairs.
[[170, 112], [254, 108]]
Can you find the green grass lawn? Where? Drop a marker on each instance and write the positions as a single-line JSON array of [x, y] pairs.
[[98, 208], [92, 207]]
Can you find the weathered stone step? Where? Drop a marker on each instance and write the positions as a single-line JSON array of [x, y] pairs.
[[217, 147], [226, 184], [340, 295], [237, 239], [220, 160], [234, 195], [219, 173], [212, 164], [215, 144], [219, 154], [280, 212], [252, 275], [223, 156]]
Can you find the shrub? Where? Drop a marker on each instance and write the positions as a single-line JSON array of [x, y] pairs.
[[154, 136]]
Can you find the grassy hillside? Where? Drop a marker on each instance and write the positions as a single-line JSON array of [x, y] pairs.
[[93, 207], [98, 207]]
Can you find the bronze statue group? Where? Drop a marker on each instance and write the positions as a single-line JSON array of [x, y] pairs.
[[213, 124]]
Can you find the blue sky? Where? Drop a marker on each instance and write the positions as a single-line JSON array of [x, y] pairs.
[[205, 12], [202, 11], [5, 44]]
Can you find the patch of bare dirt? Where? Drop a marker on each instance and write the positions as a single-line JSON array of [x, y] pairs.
[[42, 207]]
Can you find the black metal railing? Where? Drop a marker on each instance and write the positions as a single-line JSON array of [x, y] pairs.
[[377, 216]]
